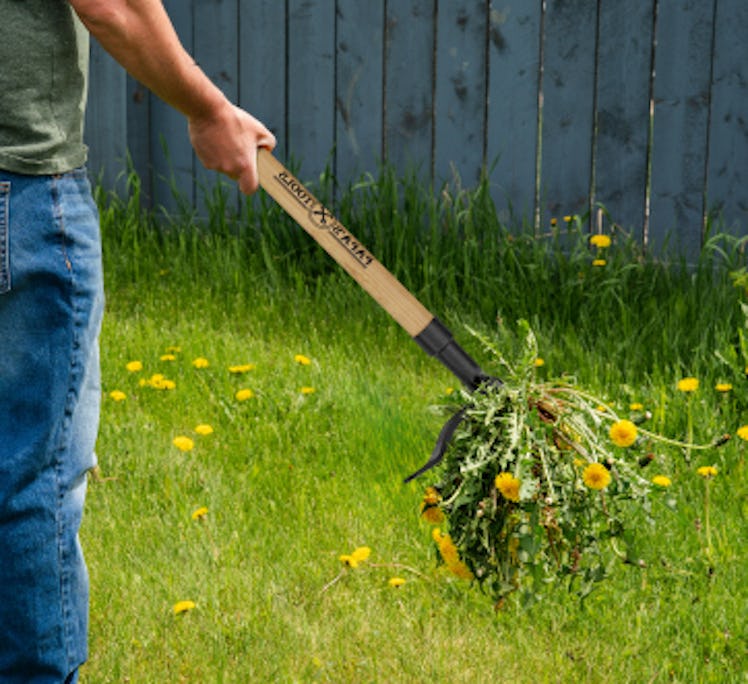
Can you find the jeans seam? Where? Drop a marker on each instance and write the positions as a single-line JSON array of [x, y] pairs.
[[64, 436], [5, 282]]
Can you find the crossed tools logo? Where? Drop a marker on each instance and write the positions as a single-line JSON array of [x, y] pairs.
[[323, 219]]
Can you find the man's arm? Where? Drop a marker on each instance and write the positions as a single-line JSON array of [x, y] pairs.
[[141, 37]]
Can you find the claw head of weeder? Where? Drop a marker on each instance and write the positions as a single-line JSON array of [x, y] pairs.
[[449, 428]]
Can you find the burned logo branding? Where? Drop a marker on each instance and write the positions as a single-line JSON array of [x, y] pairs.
[[323, 219]]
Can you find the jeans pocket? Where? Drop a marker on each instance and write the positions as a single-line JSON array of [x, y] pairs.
[[4, 236]]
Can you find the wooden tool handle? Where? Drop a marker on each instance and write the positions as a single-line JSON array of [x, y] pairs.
[[351, 255], [341, 245]]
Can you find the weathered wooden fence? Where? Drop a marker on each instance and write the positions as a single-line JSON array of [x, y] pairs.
[[639, 105]]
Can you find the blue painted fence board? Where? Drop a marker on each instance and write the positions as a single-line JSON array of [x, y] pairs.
[[173, 159], [311, 83], [359, 95], [262, 70], [512, 117], [460, 98], [568, 92], [622, 111], [557, 99], [216, 50], [106, 121], [681, 100], [727, 169], [409, 87]]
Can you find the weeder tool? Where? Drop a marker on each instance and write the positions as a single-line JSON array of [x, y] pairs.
[[427, 330]]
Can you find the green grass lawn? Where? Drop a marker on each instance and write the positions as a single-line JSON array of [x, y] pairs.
[[310, 466]]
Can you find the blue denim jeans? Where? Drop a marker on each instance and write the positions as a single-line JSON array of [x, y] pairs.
[[51, 302]]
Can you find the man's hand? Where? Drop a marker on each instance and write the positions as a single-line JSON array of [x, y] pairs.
[[227, 142]]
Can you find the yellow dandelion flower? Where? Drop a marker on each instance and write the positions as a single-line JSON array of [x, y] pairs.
[[348, 560], [430, 510], [688, 385], [134, 366], [204, 429], [597, 263], [361, 554], [568, 219], [396, 582], [596, 476], [707, 471], [432, 514], [554, 221], [307, 390], [117, 395], [723, 387], [183, 443], [303, 360], [508, 485], [662, 480], [167, 357], [200, 362], [623, 433], [173, 349], [199, 513], [159, 382], [601, 241], [244, 394], [448, 551], [539, 363], [431, 496], [449, 391], [182, 607], [636, 406], [460, 570], [743, 432], [243, 368]]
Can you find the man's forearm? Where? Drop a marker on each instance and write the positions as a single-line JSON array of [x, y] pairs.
[[140, 36]]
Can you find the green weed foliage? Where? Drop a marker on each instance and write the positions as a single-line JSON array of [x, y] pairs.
[[248, 520]]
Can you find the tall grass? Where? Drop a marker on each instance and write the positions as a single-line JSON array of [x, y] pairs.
[[292, 480], [450, 249]]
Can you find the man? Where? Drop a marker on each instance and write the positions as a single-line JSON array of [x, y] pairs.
[[51, 295]]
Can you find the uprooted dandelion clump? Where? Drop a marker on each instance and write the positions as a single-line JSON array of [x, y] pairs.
[[541, 484]]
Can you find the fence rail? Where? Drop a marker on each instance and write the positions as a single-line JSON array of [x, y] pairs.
[[640, 106]]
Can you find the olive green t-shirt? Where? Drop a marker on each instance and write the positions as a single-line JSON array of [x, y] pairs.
[[43, 86]]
